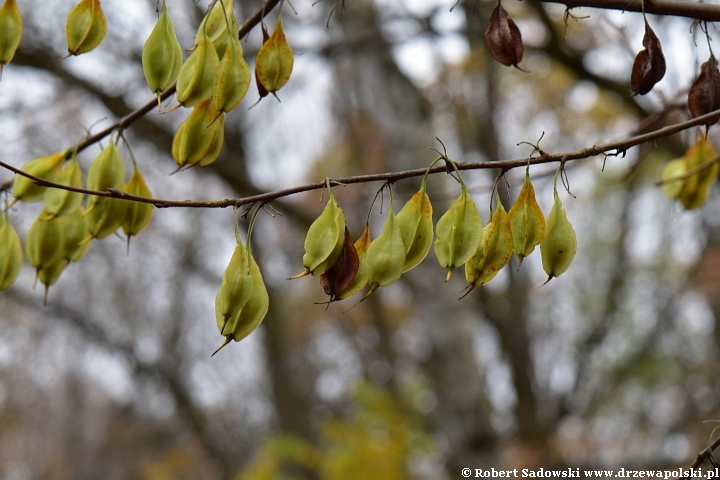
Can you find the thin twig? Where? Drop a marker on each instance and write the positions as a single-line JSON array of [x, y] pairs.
[[701, 11], [615, 148]]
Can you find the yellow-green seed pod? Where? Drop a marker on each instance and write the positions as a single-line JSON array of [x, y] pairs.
[[673, 169], [11, 255], [10, 31], [495, 252], [85, 27], [137, 214], [106, 217], [59, 202], [106, 171], [325, 239], [199, 139], [254, 311], [195, 81], [44, 242], [48, 168], [385, 256], [232, 79], [274, 61], [235, 290], [74, 227], [696, 187], [527, 221], [458, 232], [415, 222], [214, 25], [559, 242], [162, 55], [361, 277]]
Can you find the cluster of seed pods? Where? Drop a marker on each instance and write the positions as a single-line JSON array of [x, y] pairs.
[[460, 239], [214, 79], [63, 231]]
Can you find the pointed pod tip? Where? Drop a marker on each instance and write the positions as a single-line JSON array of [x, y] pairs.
[[469, 289], [85, 240], [449, 273], [228, 339], [370, 292], [300, 275], [550, 277]]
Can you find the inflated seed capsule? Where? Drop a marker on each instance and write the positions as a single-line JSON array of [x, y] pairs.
[[697, 186], [199, 139], [252, 313], [495, 251], [85, 27], [48, 168], [262, 91], [324, 240], [11, 255], [385, 256], [361, 279], [195, 81], [137, 214], [673, 169], [559, 241], [458, 232], [106, 171], [74, 227], [59, 202], [236, 289], [10, 31], [274, 61], [527, 221], [162, 55], [415, 222], [105, 217], [232, 79], [44, 242], [214, 25]]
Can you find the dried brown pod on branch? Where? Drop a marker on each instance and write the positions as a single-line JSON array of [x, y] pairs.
[[503, 38], [704, 95], [339, 277], [649, 67]]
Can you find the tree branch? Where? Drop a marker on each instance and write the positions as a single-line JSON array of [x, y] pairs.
[[699, 11], [615, 148]]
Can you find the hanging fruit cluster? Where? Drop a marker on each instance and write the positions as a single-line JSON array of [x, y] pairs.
[[63, 231], [213, 80], [345, 268]]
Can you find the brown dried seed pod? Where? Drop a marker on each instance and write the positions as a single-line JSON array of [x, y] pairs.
[[704, 96], [503, 38], [649, 66], [342, 274]]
